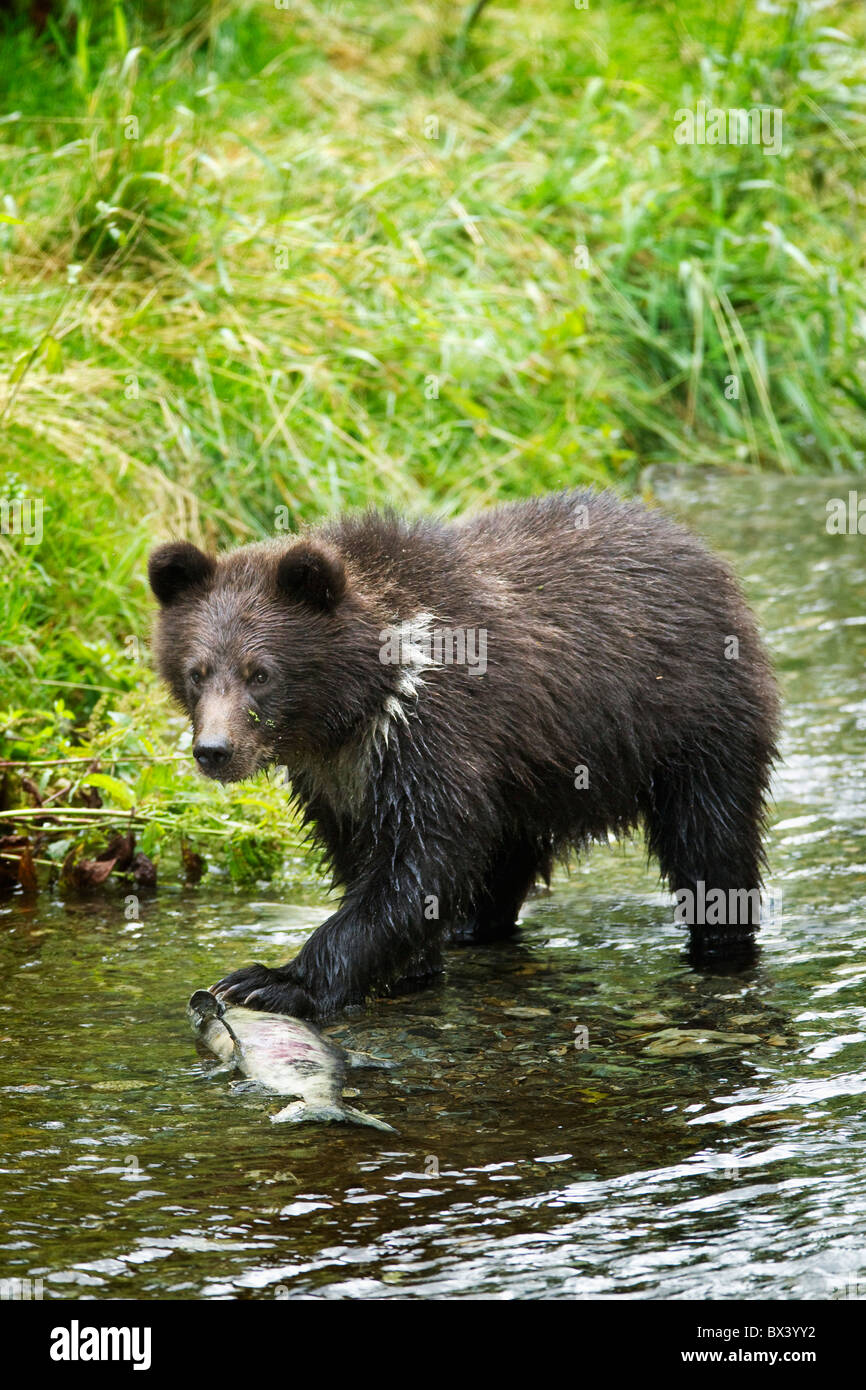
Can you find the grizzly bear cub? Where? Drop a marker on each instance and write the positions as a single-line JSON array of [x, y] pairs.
[[458, 704]]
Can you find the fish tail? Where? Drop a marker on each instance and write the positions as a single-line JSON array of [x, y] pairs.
[[361, 1117], [298, 1113]]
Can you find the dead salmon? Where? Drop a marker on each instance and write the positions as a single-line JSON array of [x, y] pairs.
[[284, 1055]]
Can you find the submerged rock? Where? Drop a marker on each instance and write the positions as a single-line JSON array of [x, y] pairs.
[[692, 1042]]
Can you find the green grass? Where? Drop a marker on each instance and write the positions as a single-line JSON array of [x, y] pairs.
[[263, 264]]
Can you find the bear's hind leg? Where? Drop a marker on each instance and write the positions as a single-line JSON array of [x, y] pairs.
[[704, 818], [421, 971], [509, 878]]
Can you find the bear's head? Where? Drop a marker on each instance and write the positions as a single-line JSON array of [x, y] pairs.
[[266, 648]]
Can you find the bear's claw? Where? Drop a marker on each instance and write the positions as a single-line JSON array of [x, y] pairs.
[[259, 987]]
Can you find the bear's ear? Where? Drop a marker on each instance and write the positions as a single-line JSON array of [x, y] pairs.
[[175, 567], [312, 573]]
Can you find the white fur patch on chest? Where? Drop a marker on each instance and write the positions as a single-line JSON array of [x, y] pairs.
[[409, 644], [408, 647]]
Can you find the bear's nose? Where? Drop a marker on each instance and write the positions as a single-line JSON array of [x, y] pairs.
[[211, 754]]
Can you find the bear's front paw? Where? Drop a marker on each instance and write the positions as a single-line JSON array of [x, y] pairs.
[[272, 991]]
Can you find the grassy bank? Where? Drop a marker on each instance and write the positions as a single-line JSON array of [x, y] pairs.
[[266, 263]]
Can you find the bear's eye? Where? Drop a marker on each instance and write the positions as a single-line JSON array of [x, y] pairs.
[[260, 678], [195, 677]]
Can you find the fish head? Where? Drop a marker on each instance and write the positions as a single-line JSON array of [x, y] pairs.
[[204, 1006], [213, 1033]]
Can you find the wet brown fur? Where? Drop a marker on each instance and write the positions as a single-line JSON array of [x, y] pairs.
[[607, 628]]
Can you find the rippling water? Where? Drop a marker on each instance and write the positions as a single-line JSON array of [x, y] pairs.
[[525, 1164]]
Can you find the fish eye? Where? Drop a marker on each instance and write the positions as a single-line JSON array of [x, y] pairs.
[[260, 677]]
